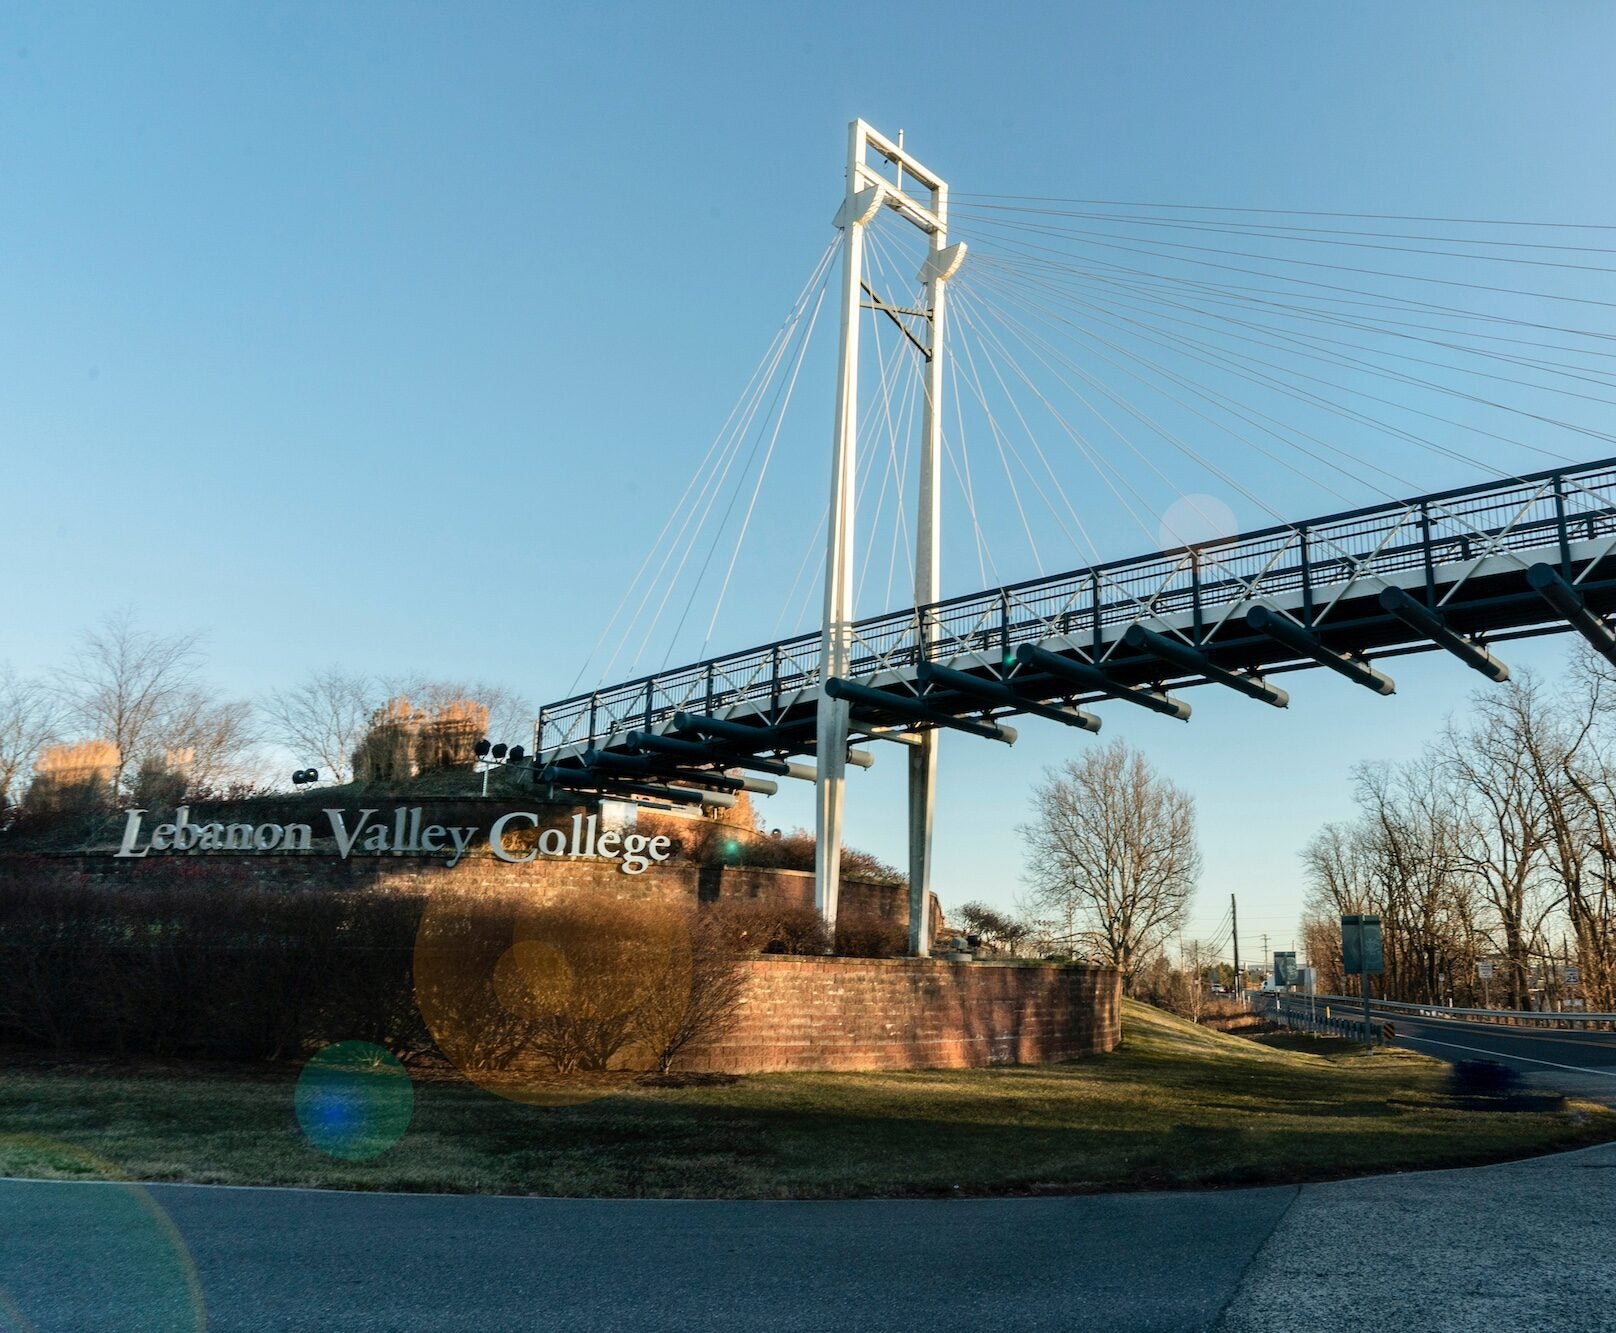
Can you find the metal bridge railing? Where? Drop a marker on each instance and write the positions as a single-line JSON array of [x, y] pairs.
[[1209, 581]]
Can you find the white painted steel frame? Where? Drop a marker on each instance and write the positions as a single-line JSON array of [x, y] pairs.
[[867, 192]]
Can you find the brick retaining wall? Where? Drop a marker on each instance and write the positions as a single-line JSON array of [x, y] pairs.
[[913, 1013]]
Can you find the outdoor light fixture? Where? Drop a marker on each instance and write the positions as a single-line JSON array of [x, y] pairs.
[[303, 776], [490, 756]]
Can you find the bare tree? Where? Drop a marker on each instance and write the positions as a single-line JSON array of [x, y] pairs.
[[1575, 772], [124, 683], [1506, 833], [210, 741], [1413, 840], [1195, 961], [1113, 849], [30, 717], [324, 718]]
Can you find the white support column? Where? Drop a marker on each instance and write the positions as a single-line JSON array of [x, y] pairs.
[[868, 191], [941, 263], [858, 207]]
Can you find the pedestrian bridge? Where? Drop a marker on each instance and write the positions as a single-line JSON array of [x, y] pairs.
[[1457, 570]]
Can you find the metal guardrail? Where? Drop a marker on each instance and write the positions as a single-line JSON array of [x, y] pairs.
[[1503, 1017], [1455, 527], [1317, 1018]]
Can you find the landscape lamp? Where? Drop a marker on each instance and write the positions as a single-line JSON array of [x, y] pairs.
[[490, 756]]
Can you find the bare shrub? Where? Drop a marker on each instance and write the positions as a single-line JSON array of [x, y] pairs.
[[692, 992], [196, 960], [752, 925], [583, 975], [869, 935]]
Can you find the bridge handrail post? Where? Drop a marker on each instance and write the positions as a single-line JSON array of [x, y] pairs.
[[1560, 523], [774, 683], [1094, 612], [1195, 597], [1430, 556], [594, 713], [1307, 576], [710, 688], [1004, 626]]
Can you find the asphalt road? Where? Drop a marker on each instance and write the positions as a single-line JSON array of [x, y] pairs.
[[81, 1256], [1573, 1061], [1568, 1060], [1525, 1245]]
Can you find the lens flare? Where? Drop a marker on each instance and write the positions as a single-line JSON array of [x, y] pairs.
[[542, 1002], [85, 1248], [354, 1101], [1195, 520]]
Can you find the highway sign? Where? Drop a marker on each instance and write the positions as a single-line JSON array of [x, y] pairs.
[[1388, 1032], [1360, 945], [1484, 969], [1285, 969], [1572, 977]]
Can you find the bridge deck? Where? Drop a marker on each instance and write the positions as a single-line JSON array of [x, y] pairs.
[[1463, 553]]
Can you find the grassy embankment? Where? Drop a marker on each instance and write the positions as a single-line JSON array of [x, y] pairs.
[[1177, 1106]]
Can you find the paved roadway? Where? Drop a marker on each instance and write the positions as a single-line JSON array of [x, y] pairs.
[[74, 1259], [1569, 1060], [1574, 1061], [1525, 1245]]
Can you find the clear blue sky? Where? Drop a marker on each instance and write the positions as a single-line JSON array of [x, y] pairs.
[[385, 333]]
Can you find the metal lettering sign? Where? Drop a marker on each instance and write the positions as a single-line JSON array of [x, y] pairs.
[[1285, 969], [1361, 953], [404, 833]]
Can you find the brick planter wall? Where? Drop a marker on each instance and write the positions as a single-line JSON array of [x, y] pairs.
[[911, 1013]]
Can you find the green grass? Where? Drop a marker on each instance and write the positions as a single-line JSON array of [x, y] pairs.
[[1177, 1106]]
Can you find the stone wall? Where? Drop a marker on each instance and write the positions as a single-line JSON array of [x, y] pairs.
[[912, 1013]]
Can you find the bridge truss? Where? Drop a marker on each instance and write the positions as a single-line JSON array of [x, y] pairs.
[[1455, 570]]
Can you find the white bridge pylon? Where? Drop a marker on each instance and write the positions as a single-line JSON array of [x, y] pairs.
[[869, 190]]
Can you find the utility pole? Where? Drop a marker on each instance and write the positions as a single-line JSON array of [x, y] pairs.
[[1234, 918]]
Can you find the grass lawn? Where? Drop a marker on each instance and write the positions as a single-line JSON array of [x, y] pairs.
[[1176, 1106]]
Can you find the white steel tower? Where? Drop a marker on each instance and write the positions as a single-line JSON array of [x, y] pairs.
[[868, 191]]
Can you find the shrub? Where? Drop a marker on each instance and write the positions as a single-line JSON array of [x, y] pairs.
[[693, 992], [194, 960], [575, 983], [866, 935], [751, 925]]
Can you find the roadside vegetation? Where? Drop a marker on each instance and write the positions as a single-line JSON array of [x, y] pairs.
[[1177, 1106], [1490, 857]]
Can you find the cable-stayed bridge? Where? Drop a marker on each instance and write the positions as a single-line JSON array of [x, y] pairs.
[[1457, 571]]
